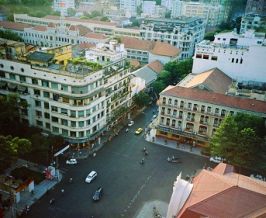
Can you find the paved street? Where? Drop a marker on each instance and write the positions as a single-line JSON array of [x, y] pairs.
[[127, 184]]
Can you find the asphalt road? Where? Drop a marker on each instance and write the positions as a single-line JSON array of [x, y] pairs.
[[127, 185]]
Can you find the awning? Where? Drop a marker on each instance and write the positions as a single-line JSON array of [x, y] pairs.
[[12, 86], [3, 84], [22, 88]]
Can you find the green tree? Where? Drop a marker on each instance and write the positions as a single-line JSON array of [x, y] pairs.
[[71, 12], [158, 86], [141, 99], [240, 140], [106, 19], [6, 34]]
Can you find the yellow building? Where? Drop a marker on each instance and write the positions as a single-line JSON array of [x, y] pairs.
[[61, 54]]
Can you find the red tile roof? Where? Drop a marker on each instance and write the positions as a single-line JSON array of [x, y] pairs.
[[13, 25], [216, 98], [158, 48], [40, 28], [231, 203], [156, 66], [217, 194], [95, 36], [165, 49]]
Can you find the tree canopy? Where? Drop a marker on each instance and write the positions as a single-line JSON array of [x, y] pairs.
[[171, 74], [240, 140], [6, 34], [141, 99]]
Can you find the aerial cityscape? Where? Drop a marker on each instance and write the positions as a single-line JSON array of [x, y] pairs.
[[133, 108]]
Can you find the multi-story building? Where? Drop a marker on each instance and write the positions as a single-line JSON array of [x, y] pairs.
[[182, 33], [256, 7], [63, 5], [240, 56], [148, 8], [147, 51], [252, 22], [129, 7], [192, 116], [72, 98], [107, 28], [212, 13], [54, 35]]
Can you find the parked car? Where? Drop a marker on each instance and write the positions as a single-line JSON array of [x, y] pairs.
[[138, 131], [131, 123], [154, 116], [216, 159], [92, 175], [71, 161], [98, 194]]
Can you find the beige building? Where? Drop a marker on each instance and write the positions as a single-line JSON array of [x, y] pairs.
[[190, 115]]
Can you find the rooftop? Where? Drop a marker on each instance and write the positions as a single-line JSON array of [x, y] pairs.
[[13, 25], [223, 193], [215, 98], [40, 56], [156, 66], [212, 80], [157, 48]]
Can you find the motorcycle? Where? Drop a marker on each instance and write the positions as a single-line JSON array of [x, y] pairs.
[[174, 160]]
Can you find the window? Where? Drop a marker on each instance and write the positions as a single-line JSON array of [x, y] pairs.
[[64, 87], [169, 101], [64, 122], [47, 125], [47, 115], [209, 109], [54, 108], [36, 92], [206, 57], [55, 119], [81, 123], [45, 83], [54, 85], [39, 114], [46, 94], [2, 74], [216, 110], [233, 60], [55, 129], [22, 78], [81, 134], [73, 124], [73, 113], [80, 113], [46, 105], [37, 103], [72, 134], [11, 67], [12, 76], [214, 58], [34, 81], [39, 123], [198, 55], [64, 132], [63, 111], [175, 102]]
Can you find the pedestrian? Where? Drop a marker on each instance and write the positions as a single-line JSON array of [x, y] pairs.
[[62, 190]]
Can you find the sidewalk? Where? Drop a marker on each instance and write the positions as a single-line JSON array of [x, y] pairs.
[[27, 198], [151, 137]]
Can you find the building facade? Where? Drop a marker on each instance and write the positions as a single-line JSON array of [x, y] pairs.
[[252, 22], [240, 56], [192, 116], [256, 7], [70, 100], [129, 7], [182, 33]]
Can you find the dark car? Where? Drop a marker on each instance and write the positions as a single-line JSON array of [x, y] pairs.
[[98, 194]]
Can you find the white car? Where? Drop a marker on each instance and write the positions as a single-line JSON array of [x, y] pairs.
[[216, 159], [154, 116], [131, 123], [71, 161], [92, 175]]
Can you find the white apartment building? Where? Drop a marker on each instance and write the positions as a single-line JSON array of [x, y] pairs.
[[213, 14], [252, 21], [148, 8], [71, 100], [62, 6], [129, 7], [240, 56], [54, 35], [107, 28], [106, 52], [182, 33]]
